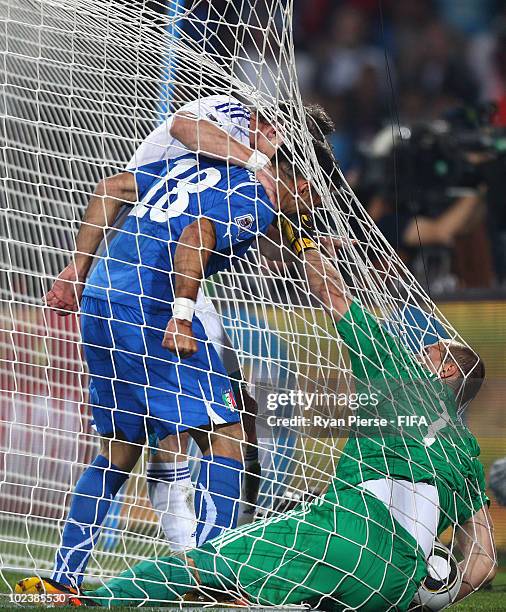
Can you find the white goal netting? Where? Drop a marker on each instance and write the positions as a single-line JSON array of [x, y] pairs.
[[83, 84]]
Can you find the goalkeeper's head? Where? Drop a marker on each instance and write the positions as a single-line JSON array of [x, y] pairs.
[[296, 189], [458, 366]]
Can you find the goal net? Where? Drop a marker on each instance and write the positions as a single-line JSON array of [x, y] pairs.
[[84, 82]]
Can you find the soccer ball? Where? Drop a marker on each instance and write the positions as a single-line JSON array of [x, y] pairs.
[[442, 584]]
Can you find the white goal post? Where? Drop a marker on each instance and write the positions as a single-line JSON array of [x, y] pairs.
[[80, 90]]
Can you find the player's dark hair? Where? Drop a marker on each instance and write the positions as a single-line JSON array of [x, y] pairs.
[[319, 124], [471, 369], [318, 121], [290, 157]]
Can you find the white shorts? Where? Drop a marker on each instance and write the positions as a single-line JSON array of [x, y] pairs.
[[414, 505]]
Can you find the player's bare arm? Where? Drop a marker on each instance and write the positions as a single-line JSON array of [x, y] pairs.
[[103, 208], [323, 278], [209, 139], [326, 284], [192, 254], [476, 541]]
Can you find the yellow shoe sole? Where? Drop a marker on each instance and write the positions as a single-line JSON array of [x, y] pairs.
[[43, 585], [30, 585], [44, 591]]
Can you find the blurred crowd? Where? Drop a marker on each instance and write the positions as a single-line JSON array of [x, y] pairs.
[[440, 53], [417, 91], [409, 63]]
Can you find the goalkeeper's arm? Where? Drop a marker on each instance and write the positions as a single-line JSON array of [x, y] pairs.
[[372, 349], [326, 284], [294, 241], [102, 210], [476, 542]]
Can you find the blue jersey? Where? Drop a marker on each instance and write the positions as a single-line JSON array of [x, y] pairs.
[[138, 269]]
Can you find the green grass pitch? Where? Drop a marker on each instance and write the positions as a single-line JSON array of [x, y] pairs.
[[492, 600]]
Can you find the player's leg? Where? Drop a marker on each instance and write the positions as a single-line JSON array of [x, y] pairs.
[[258, 550], [218, 337], [350, 553], [172, 493], [195, 394], [275, 561], [121, 428], [91, 500], [171, 490], [252, 468], [154, 581], [218, 487]]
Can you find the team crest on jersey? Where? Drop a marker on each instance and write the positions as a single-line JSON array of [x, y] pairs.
[[229, 399], [244, 222]]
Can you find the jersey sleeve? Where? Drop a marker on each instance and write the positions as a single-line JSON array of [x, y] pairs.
[[479, 497], [240, 216], [200, 108], [227, 112], [471, 499], [373, 351]]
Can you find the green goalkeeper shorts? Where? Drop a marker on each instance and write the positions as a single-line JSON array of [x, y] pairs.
[[352, 554]]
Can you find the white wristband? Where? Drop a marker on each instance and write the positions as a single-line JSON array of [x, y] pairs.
[[257, 161], [183, 308]]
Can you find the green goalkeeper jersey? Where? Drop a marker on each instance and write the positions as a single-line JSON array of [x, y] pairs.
[[423, 439]]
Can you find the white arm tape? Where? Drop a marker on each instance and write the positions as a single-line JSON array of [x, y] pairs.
[[257, 161], [183, 308]]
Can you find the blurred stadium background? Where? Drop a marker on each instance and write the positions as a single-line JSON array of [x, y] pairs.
[[437, 69]]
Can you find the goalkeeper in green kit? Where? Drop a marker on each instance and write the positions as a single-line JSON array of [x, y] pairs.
[[364, 544]]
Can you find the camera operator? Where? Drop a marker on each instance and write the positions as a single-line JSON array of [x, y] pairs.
[[429, 188], [407, 231]]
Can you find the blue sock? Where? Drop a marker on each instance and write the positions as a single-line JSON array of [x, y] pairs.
[[217, 496], [92, 498]]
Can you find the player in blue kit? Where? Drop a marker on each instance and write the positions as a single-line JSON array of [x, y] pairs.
[[188, 205], [192, 217], [220, 127]]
